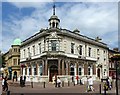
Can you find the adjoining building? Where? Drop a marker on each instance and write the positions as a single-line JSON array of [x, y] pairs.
[[12, 60], [112, 64], [56, 51]]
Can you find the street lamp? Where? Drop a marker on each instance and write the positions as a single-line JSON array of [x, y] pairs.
[[115, 59]]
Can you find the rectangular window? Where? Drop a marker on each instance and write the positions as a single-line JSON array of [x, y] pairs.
[[28, 52], [34, 50], [98, 51], [39, 48], [15, 61], [53, 45], [80, 71], [15, 49], [89, 52], [88, 70], [35, 72], [24, 53], [80, 51], [72, 71], [72, 48]]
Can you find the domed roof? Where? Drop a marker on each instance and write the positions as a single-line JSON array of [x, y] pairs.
[[54, 17], [17, 41]]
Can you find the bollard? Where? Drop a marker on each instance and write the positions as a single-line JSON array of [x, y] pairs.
[[100, 88], [68, 83], [8, 93], [74, 83], [32, 84], [43, 84], [104, 89], [62, 83]]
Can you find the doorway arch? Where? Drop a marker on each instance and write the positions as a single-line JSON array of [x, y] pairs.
[[98, 73], [53, 70]]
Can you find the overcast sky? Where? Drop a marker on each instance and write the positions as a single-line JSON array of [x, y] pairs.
[[24, 19]]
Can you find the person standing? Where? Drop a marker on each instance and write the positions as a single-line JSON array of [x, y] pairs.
[[24, 80], [59, 82], [90, 84]]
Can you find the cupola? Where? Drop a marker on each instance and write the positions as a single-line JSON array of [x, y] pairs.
[[54, 20]]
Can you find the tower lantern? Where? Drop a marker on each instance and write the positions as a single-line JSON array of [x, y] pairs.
[[54, 20]]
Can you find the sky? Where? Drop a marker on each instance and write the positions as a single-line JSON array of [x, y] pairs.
[[24, 19]]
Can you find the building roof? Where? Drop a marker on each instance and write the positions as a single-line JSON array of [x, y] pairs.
[[17, 41]]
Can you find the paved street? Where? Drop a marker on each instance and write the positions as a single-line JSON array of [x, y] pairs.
[[50, 88]]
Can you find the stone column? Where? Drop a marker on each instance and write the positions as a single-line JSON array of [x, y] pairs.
[[59, 66], [63, 68], [46, 67], [94, 69], [28, 70], [77, 68], [32, 69], [66, 67], [23, 71], [43, 67], [37, 69], [85, 69]]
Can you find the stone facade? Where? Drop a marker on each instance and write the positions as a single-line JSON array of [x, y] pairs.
[[55, 51], [12, 61]]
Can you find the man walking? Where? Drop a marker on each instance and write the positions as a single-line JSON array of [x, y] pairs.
[[90, 84]]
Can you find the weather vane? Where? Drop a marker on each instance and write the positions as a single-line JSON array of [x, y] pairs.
[[54, 7]]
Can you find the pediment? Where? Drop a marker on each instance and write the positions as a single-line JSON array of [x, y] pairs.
[[53, 35]]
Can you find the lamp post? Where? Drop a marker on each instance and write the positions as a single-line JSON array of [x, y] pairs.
[[115, 59]]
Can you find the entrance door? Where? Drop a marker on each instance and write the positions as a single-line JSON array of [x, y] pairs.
[[53, 72], [98, 73]]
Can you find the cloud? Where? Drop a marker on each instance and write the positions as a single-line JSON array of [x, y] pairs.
[[62, 1], [92, 19]]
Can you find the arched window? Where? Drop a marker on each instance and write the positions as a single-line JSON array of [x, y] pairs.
[[53, 24], [89, 70], [72, 70], [40, 70], [35, 70], [56, 25], [79, 70]]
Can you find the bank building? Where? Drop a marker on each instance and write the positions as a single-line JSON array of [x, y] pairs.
[[57, 51]]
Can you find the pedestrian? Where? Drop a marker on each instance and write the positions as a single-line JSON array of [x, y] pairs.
[[77, 78], [3, 87], [6, 84], [24, 79], [59, 82], [13, 78], [107, 82], [90, 84], [72, 78], [55, 80], [81, 81], [21, 81]]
